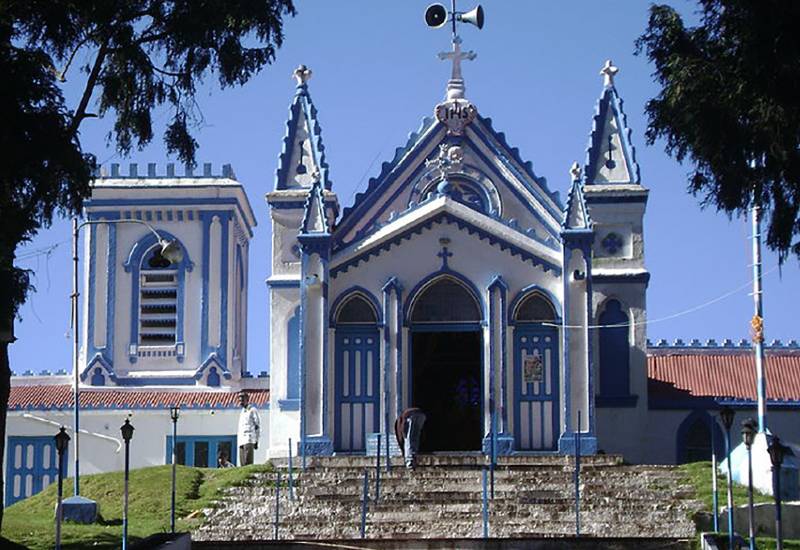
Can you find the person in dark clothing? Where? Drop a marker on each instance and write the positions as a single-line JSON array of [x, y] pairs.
[[408, 430]]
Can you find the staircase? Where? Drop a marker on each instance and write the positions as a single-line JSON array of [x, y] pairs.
[[442, 498]]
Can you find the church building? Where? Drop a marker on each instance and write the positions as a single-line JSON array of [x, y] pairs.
[[459, 281]]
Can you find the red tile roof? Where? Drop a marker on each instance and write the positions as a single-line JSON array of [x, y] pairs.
[[680, 374], [60, 397]]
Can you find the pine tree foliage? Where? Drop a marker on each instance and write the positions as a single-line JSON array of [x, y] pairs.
[[730, 104]]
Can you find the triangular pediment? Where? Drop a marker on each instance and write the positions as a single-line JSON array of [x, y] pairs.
[[420, 218], [484, 171]]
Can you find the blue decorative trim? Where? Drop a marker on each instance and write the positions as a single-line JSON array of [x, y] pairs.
[[504, 445], [317, 446], [448, 218], [350, 292], [593, 198], [527, 291], [185, 202], [166, 381], [727, 344], [283, 283], [566, 444], [497, 323], [319, 244], [277, 204], [213, 360], [301, 104], [639, 278], [421, 286], [288, 404], [714, 403], [389, 171], [213, 443], [610, 99], [293, 350], [220, 351], [39, 447], [314, 201], [393, 285], [576, 200]]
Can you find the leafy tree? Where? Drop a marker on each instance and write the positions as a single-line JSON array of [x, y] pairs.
[[143, 54], [730, 102]]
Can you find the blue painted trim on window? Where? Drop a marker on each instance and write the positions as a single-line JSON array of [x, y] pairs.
[[527, 291], [529, 331], [431, 279], [349, 293], [683, 432], [133, 265], [447, 218], [213, 442], [185, 202], [41, 446]]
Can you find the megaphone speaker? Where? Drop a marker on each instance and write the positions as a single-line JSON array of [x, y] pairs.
[[435, 16], [474, 17]]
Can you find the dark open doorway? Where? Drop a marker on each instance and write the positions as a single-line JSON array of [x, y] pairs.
[[446, 384]]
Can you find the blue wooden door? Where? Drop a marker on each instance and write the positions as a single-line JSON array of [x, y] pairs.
[[31, 466], [536, 388], [356, 387]]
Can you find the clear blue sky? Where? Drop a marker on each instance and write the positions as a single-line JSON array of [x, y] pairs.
[[376, 75]]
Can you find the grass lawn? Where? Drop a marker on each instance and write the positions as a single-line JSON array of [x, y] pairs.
[[30, 522], [699, 473]]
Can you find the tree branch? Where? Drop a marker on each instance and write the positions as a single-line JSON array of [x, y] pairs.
[[80, 112]]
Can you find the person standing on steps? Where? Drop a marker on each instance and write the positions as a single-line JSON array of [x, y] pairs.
[[408, 431], [249, 429]]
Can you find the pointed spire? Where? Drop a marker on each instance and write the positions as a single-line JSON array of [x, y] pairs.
[[576, 215], [610, 157], [303, 151], [314, 217]]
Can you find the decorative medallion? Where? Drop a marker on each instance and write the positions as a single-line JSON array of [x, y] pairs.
[[612, 243], [455, 114]]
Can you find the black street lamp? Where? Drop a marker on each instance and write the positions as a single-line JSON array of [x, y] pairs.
[[174, 413], [726, 414], [127, 434], [62, 442], [776, 452], [749, 430]]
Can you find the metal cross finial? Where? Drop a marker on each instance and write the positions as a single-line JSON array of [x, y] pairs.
[[302, 74], [575, 171], [455, 87], [609, 71]]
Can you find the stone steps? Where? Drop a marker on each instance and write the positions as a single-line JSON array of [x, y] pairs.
[[442, 498]]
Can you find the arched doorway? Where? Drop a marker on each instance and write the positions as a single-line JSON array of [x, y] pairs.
[[536, 388], [446, 364], [357, 383]]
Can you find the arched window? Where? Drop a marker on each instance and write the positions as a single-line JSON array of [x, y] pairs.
[[614, 347], [535, 308], [446, 301], [158, 300], [694, 438], [463, 191], [356, 310]]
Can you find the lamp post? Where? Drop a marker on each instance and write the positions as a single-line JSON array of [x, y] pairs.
[[170, 250], [62, 442], [749, 430], [127, 434], [174, 412], [726, 415], [776, 452]]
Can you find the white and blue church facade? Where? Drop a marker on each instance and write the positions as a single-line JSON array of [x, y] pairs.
[[460, 283]]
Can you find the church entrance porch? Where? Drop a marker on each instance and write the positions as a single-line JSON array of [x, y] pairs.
[[446, 384]]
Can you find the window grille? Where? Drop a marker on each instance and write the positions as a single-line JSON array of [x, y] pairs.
[[158, 313]]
